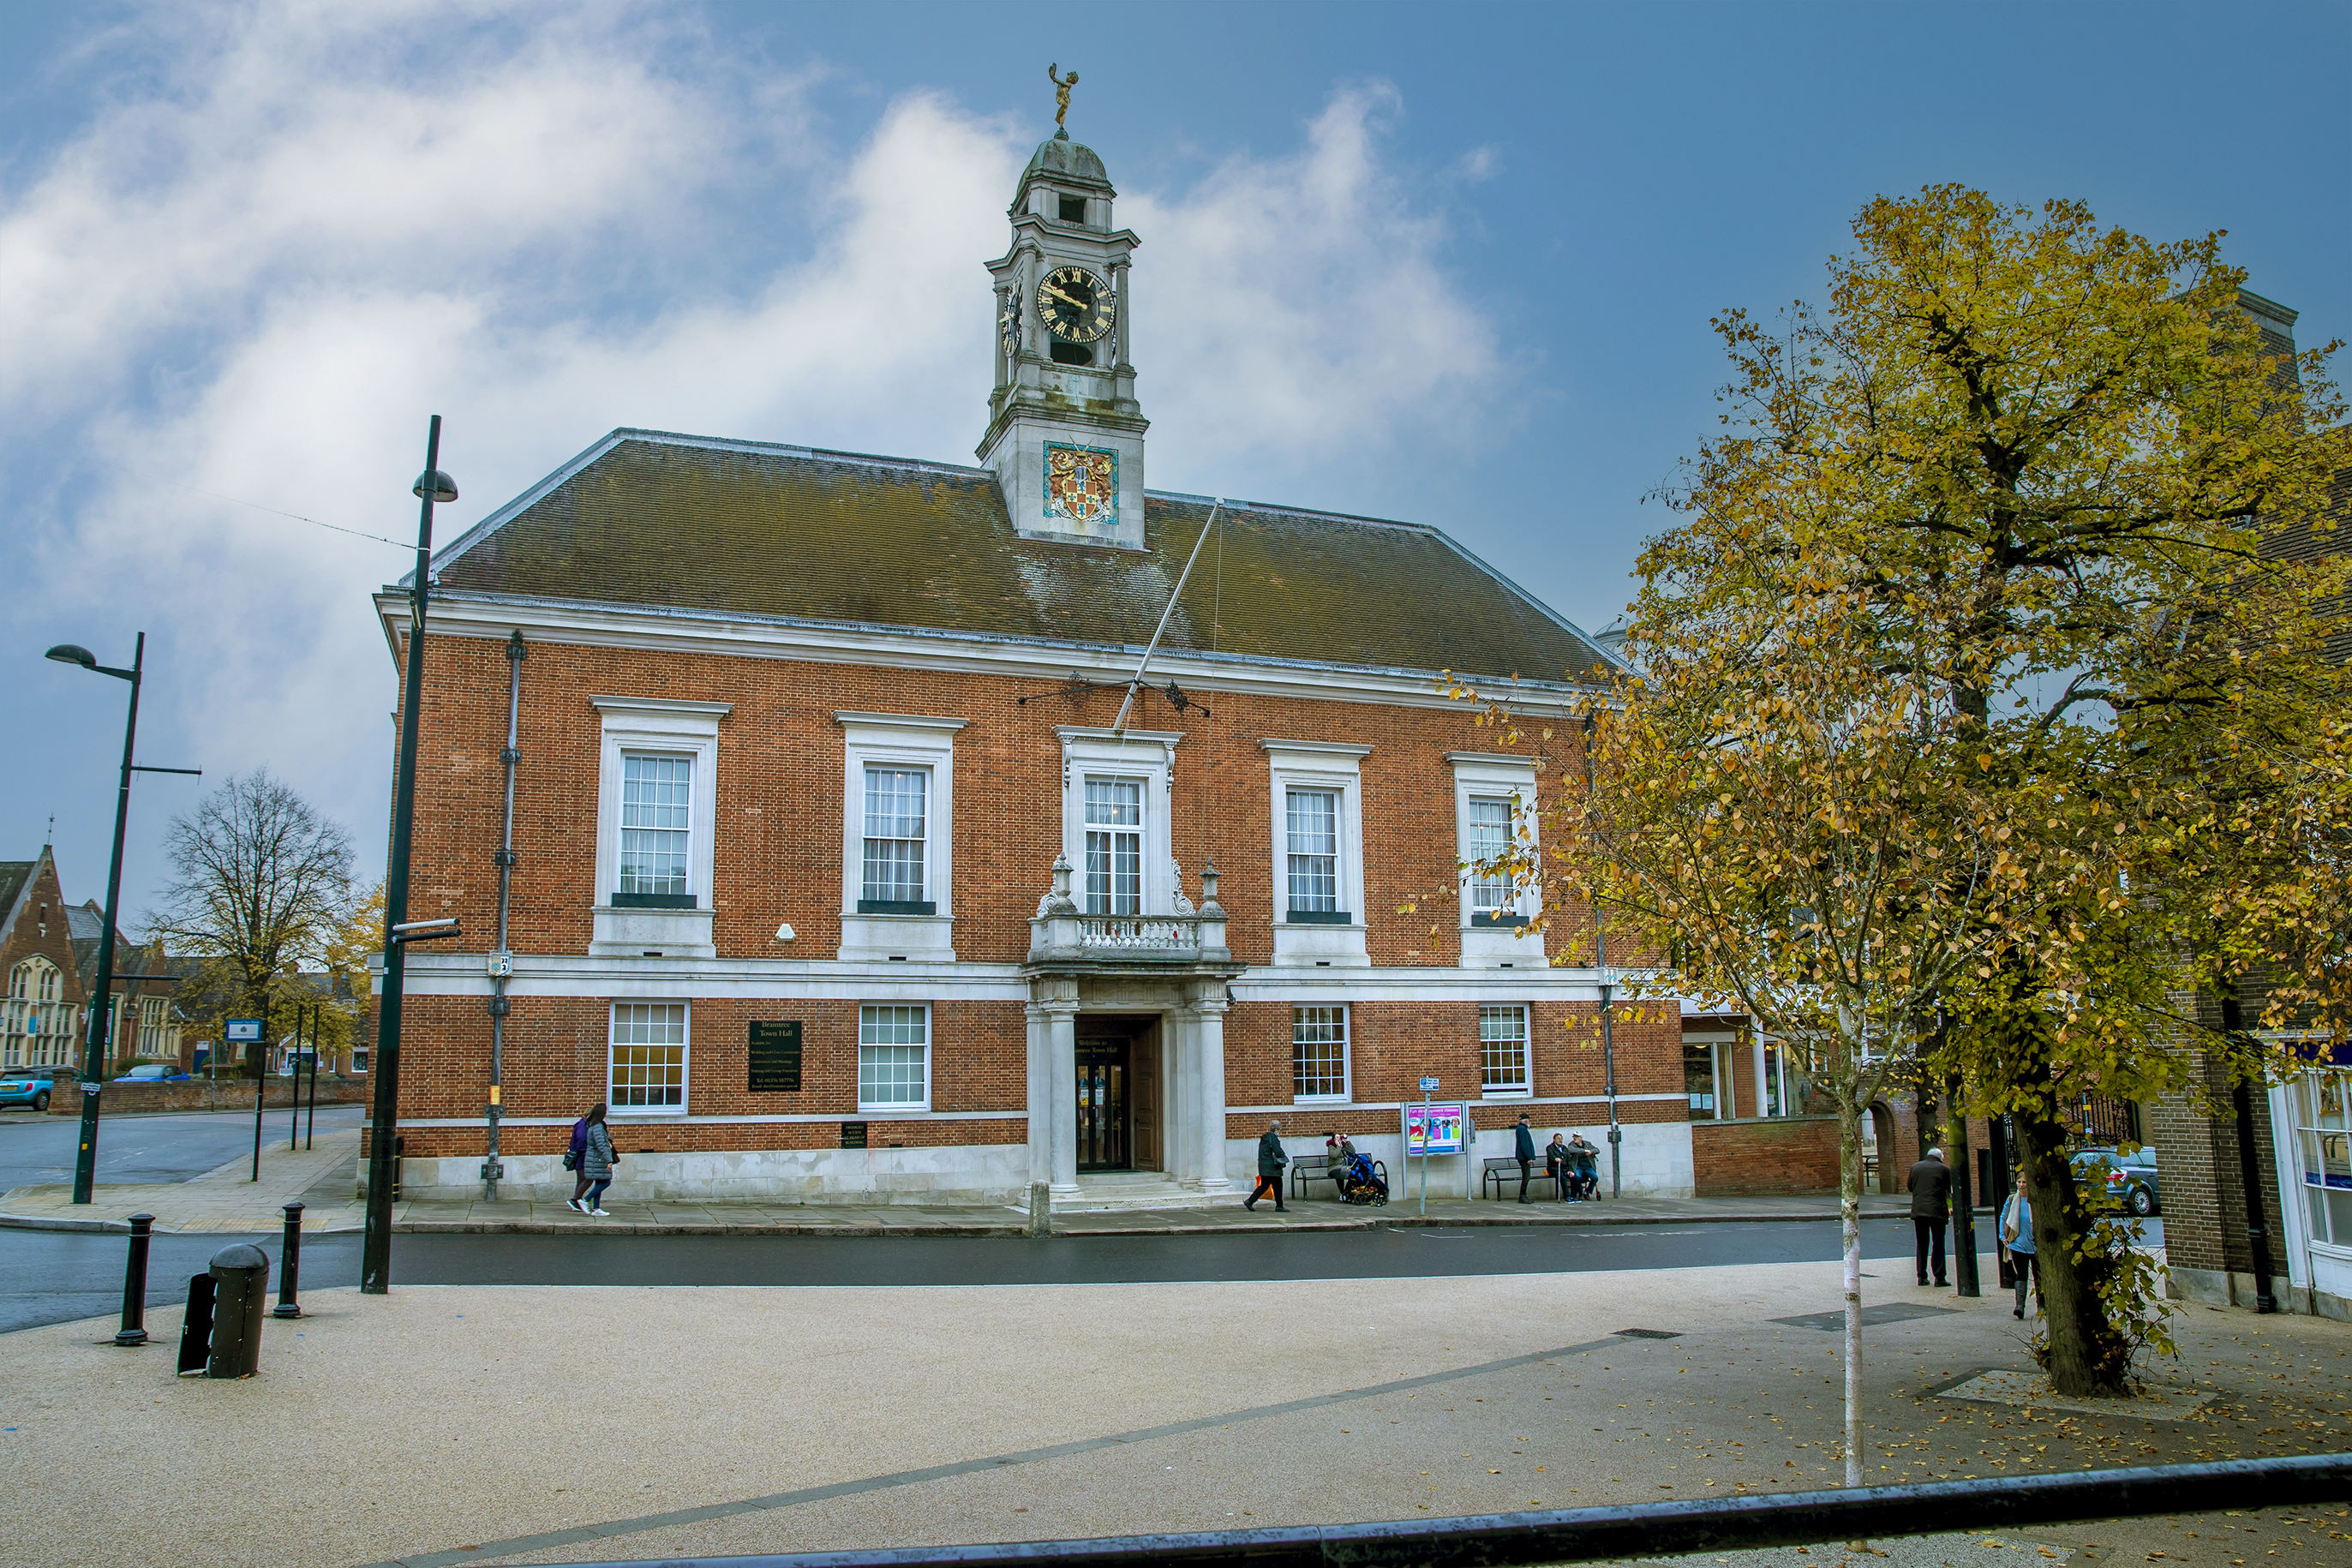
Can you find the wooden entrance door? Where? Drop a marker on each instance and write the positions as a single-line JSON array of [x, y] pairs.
[[1143, 1095]]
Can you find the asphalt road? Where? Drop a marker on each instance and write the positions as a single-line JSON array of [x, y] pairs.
[[47, 1276], [40, 1148]]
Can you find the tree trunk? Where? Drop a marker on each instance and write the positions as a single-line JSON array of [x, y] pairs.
[[1964, 1193], [1850, 1215], [2086, 1358]]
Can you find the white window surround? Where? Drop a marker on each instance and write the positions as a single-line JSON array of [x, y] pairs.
[[1148, 755], [1345, 1042], [656, 726], [1520, 1033], [1319, 765], [1478, 775], [894, 1107], [684, 1061], [903, 741]]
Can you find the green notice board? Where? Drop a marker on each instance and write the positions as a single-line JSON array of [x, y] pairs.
[[775, 1055]]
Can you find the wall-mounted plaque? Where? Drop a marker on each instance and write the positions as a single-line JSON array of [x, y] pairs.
[[775, 1055], [853, 1135]]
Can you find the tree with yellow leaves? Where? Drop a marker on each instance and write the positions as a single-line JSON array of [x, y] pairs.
[[1975, 718]]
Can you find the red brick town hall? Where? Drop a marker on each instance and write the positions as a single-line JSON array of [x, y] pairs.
[[837, 873]]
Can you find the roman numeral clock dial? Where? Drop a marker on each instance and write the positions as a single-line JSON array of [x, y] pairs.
[[1076, 306]]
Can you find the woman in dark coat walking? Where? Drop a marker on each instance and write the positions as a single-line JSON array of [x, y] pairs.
[[596, 1161]]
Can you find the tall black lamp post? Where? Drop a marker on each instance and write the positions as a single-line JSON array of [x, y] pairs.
[[375, 1250], [93, 1072]]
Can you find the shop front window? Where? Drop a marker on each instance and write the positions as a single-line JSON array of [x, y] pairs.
[[2324, 1140]]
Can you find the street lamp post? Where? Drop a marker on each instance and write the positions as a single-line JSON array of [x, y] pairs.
[[93, 1078], [375, 1250]]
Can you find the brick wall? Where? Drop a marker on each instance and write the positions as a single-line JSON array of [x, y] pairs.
[[227, 1094], [779, 787], [1783, 1154], [2198, 1158], [778, 860]]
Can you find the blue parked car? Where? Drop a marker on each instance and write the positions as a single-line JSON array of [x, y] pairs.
[[154, 1072], [33, 1086]]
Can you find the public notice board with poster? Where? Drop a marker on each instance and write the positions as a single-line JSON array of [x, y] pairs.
[[1435, 1129]]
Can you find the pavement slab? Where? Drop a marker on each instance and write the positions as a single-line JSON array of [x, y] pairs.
[[463, 1425], [324, 1179]]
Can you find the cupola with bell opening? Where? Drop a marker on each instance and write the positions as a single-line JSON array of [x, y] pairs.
[[1065, 432]]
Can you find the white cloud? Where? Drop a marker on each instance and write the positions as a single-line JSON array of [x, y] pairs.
[[257, 283], [1296, 313]]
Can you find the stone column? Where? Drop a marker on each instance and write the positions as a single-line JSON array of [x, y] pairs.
[[1211, 1127], [1041, 1092], [1182, 1027], [1062, 1051]]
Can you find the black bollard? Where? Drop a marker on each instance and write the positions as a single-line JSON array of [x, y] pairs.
[[240, 1281], [134, 1284], [289, 1265]]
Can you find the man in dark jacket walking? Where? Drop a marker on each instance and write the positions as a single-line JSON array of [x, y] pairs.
[[1931, 1203], [1523, 1149], [1270, 1162]]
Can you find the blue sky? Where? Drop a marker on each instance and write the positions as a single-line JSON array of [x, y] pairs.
[[1454, 264]]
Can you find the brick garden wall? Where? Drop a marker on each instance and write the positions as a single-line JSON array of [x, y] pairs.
[[1782, 1154], [228, 1094]]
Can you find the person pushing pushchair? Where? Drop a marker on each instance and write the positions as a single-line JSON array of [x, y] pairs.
[[1353, 1172]]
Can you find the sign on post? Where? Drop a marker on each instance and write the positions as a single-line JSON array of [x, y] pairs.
[[244, 1031], [1429, 1085], [1432, 1130]]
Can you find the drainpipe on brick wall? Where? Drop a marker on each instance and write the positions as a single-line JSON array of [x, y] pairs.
[[2250, 1171], [501, 960]]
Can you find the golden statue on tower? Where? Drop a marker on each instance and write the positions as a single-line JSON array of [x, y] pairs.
[[1061, 85]]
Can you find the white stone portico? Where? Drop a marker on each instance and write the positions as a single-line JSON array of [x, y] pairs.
[[1174, 966]]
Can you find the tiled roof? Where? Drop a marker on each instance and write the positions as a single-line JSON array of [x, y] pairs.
[[13, 875], [644, 519]]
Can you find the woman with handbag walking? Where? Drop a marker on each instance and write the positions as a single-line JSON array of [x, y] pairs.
[[596, 1161], [2015, 1229], [573, 1161]]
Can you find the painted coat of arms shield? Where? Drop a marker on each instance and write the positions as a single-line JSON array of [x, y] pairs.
[[1081, 483]]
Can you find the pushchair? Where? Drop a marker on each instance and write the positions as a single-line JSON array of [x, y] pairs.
[[1358, 1178]]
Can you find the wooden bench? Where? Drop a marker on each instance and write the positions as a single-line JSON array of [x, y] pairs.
[[1306, 1168], [1503, 1173]]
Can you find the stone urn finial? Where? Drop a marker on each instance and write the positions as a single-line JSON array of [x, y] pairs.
[[1209, 888]]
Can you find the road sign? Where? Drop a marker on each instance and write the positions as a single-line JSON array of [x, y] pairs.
[[244, 1031], [1429, 1085]]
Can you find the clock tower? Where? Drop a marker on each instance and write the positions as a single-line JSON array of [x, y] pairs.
[[1065, 432]]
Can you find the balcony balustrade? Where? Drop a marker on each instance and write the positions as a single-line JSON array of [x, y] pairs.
[[1061, 935]]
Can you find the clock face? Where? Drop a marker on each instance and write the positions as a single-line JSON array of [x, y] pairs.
[[1076, 305]]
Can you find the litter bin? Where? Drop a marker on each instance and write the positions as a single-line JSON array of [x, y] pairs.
[[240, 1292]]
